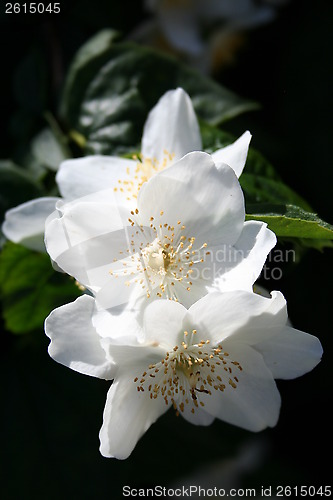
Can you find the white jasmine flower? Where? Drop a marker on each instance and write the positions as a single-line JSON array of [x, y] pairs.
[[186, 237], [218, 359], [170, 132]]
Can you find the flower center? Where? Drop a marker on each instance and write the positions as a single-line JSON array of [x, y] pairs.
[[144, 170], [156, 257], [160, 257], [189, 371]]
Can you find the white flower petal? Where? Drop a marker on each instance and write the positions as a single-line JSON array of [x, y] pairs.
[[235, 154], [163, 320], [128, 414], [118, 293], [197, 289], [244, 262], [255, 401], [239, 316], [74, 341], [117, 323], [171, 127], [199, 417], [85, 238], [208, 202], [82, 176], [25, 223], [134, 352], [290, 353], [84, 221]]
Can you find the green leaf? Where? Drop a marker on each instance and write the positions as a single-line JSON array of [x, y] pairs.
[[30, 288], [259, 180], [290, 221], [259, 189], [48, 150], [269, 199], [109, 93], [214, 138], [16, 186], [87, 62]]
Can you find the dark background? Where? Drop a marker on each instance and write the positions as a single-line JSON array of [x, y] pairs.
[[51, 416]]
